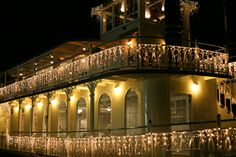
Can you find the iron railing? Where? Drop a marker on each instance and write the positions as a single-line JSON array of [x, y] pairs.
[[156, 57], [210, 141]]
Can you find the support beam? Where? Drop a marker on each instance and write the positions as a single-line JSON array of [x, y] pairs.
[[92, 86]]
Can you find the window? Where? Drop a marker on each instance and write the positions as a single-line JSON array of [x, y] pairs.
[[104, 112], [180, 112], [81, 120], [134, 114]]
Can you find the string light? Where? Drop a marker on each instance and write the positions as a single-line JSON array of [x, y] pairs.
[[209, 139], [212, 62]]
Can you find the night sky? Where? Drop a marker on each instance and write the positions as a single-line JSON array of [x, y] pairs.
[[27, 30]]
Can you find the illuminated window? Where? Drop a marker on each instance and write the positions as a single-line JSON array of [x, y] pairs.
[[104, 112], [134, 112], [180, 112]]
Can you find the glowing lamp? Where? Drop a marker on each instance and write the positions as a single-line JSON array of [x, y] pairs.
[[195, 87], [117, 89]]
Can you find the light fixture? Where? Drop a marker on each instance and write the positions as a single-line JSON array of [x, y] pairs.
[[122, 8], [84, 49], [72, 98], [147, 13], [117, 89], [195, 87], [51, 56], [54, 102], [28, 107], [20, 74], [16, 109], [40, 104], [163, 6], [51, 62]]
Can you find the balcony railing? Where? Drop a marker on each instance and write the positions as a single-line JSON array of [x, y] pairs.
[[165, 58], [212, 142]]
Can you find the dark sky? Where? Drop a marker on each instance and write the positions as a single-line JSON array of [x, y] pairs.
[[29, 29]]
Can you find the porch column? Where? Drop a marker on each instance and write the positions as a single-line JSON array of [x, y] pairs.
[[68, 92], [49, 96], [19, 106], [92, 86], [33, 98]]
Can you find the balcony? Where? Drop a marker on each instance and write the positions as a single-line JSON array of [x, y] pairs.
[[124, 58], [205, 142]]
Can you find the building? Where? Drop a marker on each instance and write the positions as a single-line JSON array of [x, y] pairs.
[[144, 89]]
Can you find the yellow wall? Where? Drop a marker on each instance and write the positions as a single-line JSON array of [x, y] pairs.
[[154, 91]]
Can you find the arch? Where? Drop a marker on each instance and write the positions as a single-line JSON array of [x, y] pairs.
[[104, 112], [134, 110], [62, 116], [81, 114]]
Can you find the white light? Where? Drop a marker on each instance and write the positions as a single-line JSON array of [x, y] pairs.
[[147, 13], [40, 104], [72, 98], [54, 102], [80, 111], [122, 8], [16, 109], [195, 86], [28, 107], [84, 49], [51, 62], [108, 109], [162, 8], [117, 89], [21, 74]]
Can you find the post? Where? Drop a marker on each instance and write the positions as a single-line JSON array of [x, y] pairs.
[[19, 105], [33, 98], [68, 92], [92, 86], [49, 96]]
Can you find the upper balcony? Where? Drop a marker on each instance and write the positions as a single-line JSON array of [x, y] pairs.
[[120, 57]]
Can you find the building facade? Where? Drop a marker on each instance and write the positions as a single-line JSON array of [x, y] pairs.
[[144, 89]]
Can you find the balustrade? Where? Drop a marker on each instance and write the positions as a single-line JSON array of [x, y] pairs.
[[142, 56], [150, 144]]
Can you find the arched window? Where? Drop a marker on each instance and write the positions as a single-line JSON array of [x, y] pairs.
[[104, 112], [62, 117], [134, 112], [81, 120]]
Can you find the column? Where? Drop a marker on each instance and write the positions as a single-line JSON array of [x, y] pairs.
[[33, 98], [49, 96], [68, 92], [92, 86], [19, 111]]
